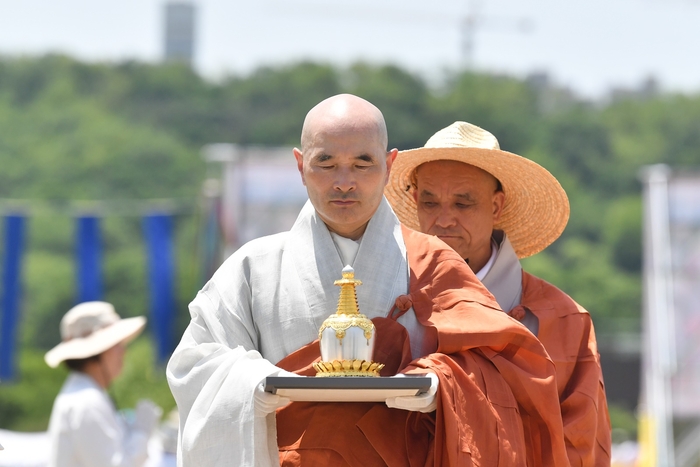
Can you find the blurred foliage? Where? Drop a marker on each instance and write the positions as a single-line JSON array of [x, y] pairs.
[[26, 404], [75, 131], [142, 378], [624, 424]]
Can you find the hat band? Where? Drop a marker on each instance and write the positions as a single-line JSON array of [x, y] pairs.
[[89, 332]]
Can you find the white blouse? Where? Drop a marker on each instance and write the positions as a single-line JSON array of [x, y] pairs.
[[86, 430]]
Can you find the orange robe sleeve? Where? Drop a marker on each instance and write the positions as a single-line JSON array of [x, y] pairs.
[[566, 331], [440, 302], [497, 399]]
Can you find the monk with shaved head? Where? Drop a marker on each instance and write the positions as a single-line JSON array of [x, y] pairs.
[[492, 398], [344, 162]]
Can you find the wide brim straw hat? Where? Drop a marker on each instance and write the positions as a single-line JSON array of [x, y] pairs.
[[90, 328], [536, 208]]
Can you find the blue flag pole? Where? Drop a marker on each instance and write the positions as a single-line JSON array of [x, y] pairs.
[[89, 252], [14, 244], [158, 229]]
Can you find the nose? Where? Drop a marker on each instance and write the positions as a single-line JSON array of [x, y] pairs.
[[345, 181], [445, 219]]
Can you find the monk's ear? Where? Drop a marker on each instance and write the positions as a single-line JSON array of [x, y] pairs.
[[390, 156], [499, 199], [300, 163]]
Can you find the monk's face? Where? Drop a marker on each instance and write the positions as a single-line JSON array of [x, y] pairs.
[[345, 166], [459, 203]]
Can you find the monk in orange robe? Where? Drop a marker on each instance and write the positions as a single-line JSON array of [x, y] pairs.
[[497, 403], [493, 208]]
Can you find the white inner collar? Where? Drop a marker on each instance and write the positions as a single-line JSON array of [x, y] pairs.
[[347, 248], [487, 267]]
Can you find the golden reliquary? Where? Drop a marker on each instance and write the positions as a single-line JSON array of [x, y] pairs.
[[347, 336]]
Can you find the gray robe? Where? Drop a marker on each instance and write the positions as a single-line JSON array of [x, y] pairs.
[[505, 280], [266, 301]]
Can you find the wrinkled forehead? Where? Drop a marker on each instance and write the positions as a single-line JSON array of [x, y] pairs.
[[449, 170]]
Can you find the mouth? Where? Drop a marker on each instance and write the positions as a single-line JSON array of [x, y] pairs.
[[449, 239], [343, 202]]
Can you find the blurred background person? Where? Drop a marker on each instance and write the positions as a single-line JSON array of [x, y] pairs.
[[85, 428]]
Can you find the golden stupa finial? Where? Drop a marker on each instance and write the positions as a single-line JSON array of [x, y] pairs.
[[347, 302], [353, 358]]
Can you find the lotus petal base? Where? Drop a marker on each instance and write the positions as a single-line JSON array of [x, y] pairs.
[[348, 368]]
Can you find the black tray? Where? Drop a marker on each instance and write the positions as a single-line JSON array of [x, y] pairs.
[[346, 389]]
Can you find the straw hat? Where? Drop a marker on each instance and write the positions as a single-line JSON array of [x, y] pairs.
[[90, 328], [536, 208]]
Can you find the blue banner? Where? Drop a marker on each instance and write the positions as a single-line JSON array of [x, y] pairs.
[[11, 287], [89, 252], [158, 230]]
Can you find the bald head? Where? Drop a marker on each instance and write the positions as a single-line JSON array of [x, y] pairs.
[[344, 162], [343, 114]]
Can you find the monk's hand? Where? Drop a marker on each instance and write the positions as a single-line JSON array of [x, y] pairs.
[[426, 402], [265, 402]]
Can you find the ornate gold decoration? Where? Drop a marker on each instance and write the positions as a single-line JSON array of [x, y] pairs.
[[348, 368], [348, 315], [348, 312]]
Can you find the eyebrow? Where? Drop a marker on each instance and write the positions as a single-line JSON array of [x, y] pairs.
[[462, 196], [326, 157], [321, 158]]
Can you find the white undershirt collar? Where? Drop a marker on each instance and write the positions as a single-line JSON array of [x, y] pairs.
[[487, 267], [347, 248]]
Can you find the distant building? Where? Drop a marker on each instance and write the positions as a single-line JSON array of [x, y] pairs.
[[647, 89], [179, 32]]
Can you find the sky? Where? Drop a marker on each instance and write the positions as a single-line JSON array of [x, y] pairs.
[[587, 45]]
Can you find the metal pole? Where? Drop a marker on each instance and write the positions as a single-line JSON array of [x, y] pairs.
[[659, 330]]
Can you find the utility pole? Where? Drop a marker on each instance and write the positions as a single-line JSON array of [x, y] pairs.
[[474, 20], [467, 29]]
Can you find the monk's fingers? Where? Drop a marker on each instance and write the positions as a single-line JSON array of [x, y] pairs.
[[423, 403], [266, 402], [434, 380], [434, 383]]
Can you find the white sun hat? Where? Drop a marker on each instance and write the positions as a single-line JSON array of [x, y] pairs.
[[536, 208], [90, 328]]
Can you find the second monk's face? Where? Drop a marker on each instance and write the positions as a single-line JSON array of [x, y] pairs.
[[459, 204], [345, 171]]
